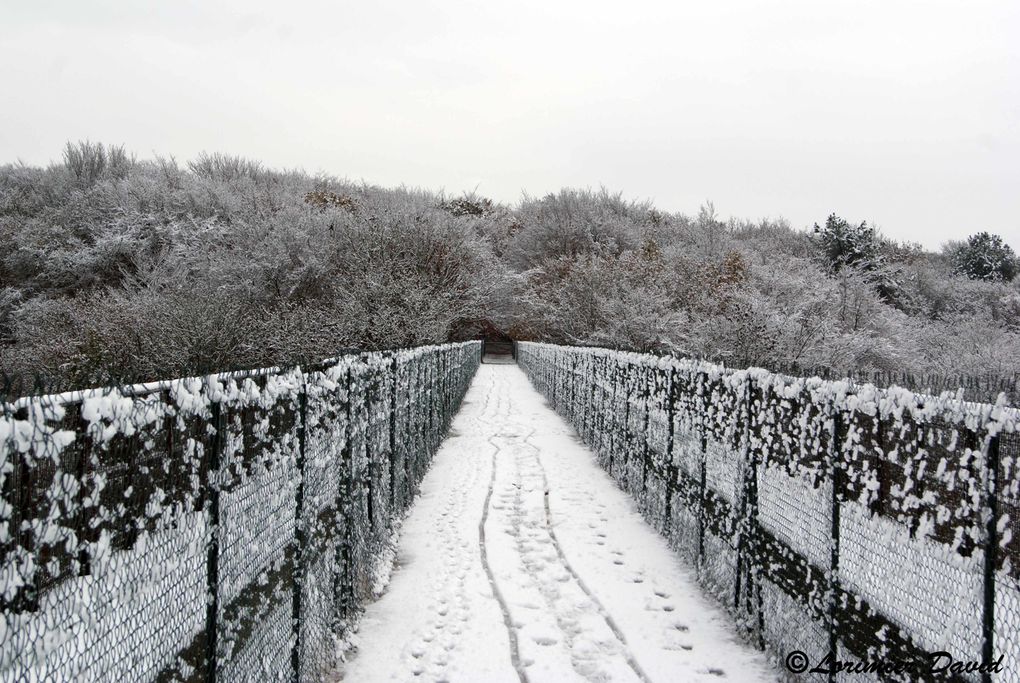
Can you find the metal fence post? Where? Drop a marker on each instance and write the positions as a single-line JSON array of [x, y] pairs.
[[572, 406], [991, 554], [646, 452], [430, 382], [589, 413], [86, 485], [342, 587], [746, 511], [300, 536], [607, 395], [610, 416], [393, 437], [670, 465], [760, 459], [410, 455], [703, 479], [26, 599], [625, 428], [212, 492], [753, 554], [835, 469]]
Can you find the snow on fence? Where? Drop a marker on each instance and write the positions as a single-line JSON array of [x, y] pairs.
[[216, 528], [877, 524]]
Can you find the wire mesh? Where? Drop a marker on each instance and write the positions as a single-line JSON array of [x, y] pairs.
[[215, 528], [876, 526]]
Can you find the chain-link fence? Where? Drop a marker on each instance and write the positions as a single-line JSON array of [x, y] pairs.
[[878, 525], [215, 528]]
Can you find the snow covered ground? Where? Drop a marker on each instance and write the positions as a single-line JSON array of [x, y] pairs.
[[522, 561]]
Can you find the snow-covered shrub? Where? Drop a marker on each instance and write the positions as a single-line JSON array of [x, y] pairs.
[[116, 248]]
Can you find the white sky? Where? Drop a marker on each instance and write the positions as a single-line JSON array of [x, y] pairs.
[[906, 114]]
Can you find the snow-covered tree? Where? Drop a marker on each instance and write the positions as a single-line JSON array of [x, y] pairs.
[[985, 256], [845, 244], [152, 267]]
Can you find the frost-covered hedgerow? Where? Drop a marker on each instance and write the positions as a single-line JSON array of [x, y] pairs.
[[135, 269]]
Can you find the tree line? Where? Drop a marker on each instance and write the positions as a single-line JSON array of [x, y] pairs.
[[116, 266]]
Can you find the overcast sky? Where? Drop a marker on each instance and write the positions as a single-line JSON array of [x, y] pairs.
[[906, 114]]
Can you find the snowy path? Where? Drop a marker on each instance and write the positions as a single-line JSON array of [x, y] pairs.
[[522, 561]]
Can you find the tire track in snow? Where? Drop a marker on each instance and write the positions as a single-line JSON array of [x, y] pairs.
[[529, 545], [603, 612], [511, 631], [515, 658], [595, 654], [673, 657]]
